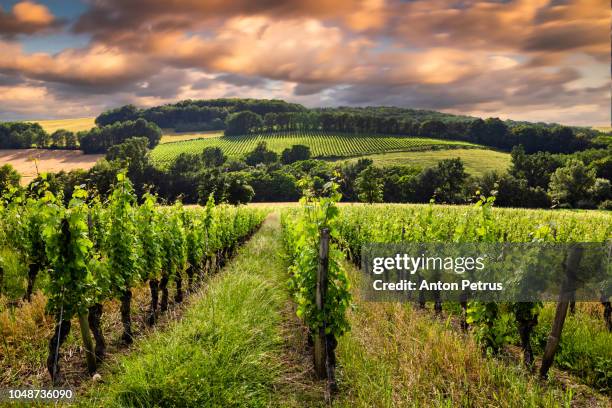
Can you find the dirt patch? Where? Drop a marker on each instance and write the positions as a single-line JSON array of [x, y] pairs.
[[30, 162]]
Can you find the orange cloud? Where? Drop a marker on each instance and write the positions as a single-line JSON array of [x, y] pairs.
[[26, 17], [32, 13], [98, 65]]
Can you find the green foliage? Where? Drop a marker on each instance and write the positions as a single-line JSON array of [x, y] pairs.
[[242, 123], [100, 139], [68, 247], [295, 153], [301, 233], [22, 135], [451, 180], [9, 179], [369, 185], [492, 326], [570, 185], [585, 348], [226, 350], [121, 244], [213, 157], [150, 236], [536, 169], [174, 241], [99, 251], [131, 154], [261, 155]]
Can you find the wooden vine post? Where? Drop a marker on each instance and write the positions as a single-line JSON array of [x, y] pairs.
[[320, 349], [87, 342], [568, 289]]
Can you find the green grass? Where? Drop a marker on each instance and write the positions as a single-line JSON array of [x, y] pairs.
[[476, 161], [171, 136], [586, 345], [397, 356], [322, 145], [228, 349]]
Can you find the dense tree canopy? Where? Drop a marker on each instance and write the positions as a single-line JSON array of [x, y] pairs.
[[191, 115], [100, 139], [242, 123], [22, 135], [571, 185], [295, 153], [369, 185], [261, 155]]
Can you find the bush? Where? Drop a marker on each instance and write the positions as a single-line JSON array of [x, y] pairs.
[[295, 153], [605, 205], [261, 154], [9, 178]]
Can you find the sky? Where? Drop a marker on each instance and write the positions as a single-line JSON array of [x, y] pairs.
[[536, 60]]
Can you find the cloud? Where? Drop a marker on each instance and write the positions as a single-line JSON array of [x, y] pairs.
[[309, 89], [98, 67], [105, 18], [27, 17], [241, 80], [529, 57]]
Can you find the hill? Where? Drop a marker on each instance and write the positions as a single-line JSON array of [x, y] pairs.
[[322, 144], [476, 161]]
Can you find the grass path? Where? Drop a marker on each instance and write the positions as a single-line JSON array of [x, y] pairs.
[[238, 344]]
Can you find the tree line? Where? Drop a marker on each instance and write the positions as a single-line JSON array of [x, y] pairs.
[[491, 132], [24, 135], [190, 115], [248, 116], [541, 180]]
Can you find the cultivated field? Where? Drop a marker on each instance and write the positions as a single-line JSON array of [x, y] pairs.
[[322, 145], [476, 161], [170, 136], [30, 162], [74, 125]]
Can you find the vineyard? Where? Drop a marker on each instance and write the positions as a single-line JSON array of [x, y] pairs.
[[131, 260], [321, 144], [535, 327], [88, 252]]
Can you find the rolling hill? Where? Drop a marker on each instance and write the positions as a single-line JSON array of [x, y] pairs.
[[476, 161], [322, 144]]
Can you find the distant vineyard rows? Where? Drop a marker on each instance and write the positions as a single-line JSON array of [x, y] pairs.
[[322, 144]]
